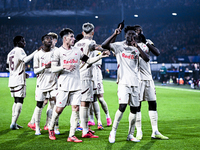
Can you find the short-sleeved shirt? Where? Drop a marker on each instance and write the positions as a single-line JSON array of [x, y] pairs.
[[16, 67], [127, 60], [83, 45], [46, 80], [68, 81], [145, 69]]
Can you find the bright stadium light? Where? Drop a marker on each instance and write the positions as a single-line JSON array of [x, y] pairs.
[[135, 16], [29, 0], [174, 14], [9, 18], [96, 17]]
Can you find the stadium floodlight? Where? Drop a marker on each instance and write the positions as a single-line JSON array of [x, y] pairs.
[[135, 16], [96, 17], [174, 14], [9, 18], [29, 0]]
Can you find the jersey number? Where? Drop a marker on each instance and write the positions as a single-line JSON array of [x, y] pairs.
[[11, 62]]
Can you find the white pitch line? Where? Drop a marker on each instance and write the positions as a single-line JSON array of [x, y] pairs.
[[166, 87], [179, 89]]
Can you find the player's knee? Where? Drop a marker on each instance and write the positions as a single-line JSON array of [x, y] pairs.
[[122, 107], [75, 107], [39, 104], [152, 105], [19, 100], [134, 110]]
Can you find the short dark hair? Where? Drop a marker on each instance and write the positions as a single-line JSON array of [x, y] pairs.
[[128, 28], [65, 31], [45, 36], [136, 27], [17, 39]]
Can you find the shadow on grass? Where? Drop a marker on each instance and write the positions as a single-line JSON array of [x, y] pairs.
[[148, 145]]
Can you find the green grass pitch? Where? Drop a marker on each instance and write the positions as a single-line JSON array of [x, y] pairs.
[[178, 118]]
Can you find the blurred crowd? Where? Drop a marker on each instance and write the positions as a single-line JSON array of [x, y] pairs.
[[95, 5], [172, 39]]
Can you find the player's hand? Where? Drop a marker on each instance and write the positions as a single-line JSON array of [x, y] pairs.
[[69, 67], [118, 30], [41, 47], [27, 75], [133, 42], [121, 25], [105, 54], [48, 65]]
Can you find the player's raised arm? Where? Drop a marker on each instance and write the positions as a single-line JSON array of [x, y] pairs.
[[152, 48], [111, 39], [29, 57], [144, 56], [92, 60]]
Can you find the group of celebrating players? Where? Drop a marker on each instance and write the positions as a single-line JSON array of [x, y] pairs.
[[71, 75]]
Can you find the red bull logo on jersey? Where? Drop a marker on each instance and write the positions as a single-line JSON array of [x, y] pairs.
[[43, 64], [70, 61], [128, 56]]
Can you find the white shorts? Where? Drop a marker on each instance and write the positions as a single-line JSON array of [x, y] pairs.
[[98, 88], [52, 94], [66, 98], [41, 95], [128, 95], [147, 90], [18, 91], [87, 91]]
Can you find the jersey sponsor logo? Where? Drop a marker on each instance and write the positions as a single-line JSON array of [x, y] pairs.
[[127, 56], [43, 64], [70, 61], [75, 53]]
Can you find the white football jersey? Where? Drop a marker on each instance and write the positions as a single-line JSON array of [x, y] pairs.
[[16, 67], [145, 69], [85, 70], [46, 80], [127, 60], [68, 81]]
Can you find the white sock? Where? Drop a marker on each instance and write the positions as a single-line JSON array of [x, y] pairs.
[[154, 120], [73, 123], [49, 112], [84, 118], [104, 106], [132, 118], [138, 122], [13, 112], [17, 111], [118, 117], [38, 112], [97, 111], [33, 117], [91, 113], [55, 115]]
